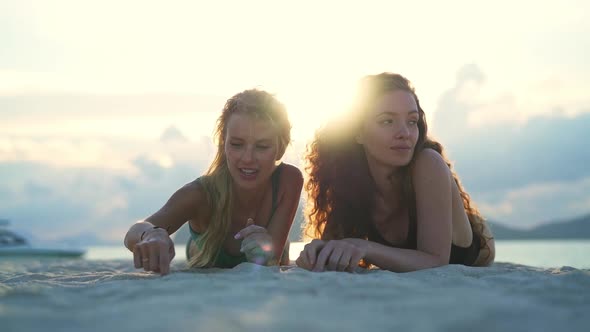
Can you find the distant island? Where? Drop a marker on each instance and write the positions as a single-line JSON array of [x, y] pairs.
[[578, 228]]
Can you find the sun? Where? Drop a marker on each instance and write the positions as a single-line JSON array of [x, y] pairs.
[[312, 105]]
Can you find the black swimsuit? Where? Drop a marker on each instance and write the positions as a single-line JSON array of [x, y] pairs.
[[459, 255]]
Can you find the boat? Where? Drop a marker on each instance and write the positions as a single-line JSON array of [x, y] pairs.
[[13, 244]]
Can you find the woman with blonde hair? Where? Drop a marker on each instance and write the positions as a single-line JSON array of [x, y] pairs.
[[242, 209], [382, 192]]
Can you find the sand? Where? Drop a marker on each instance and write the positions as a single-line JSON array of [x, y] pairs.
[[111, 295]]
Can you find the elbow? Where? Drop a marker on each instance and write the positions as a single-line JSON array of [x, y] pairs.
[[487, 254], [438, 261], [491, 254]]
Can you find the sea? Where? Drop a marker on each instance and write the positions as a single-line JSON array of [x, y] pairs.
[[537, 253]]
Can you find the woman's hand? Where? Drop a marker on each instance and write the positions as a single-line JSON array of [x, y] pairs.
[[257, 245], [341, 255], [308, 255], [154, 252]]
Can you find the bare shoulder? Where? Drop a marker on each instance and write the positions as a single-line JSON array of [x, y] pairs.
[[190, 197], [291, 176], [192, 191], [187, 203], [429, 163]]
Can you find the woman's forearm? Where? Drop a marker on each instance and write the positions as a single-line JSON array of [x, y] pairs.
[[401, 260]]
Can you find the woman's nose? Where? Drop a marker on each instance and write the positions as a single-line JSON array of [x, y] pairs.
[[402, 131], [248, 155]]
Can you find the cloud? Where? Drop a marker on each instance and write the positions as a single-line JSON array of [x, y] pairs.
[[60, 188], [89, 198], [522, 167], [527, 206], [55, 203], [108, 169], [508, 150]]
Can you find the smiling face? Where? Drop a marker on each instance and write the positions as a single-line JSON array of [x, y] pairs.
[[251, 148], [390, 131]]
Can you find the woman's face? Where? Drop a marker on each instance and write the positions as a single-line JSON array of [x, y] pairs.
[[390, 131], [251, 148]]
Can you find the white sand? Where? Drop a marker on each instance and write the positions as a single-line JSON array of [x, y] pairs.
[[112, 296]]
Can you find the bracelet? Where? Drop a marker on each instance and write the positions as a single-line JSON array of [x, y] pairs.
[[143, 233]]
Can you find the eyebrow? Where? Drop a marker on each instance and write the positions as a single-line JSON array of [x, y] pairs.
[[262, 140], [392, 113]]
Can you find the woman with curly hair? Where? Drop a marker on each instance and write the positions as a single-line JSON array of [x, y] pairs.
[[241, 210], [382, 192]]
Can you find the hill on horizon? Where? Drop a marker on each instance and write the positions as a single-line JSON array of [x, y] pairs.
[[577, 228]]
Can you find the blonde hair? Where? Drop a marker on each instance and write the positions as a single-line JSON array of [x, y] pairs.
[[217, 181]]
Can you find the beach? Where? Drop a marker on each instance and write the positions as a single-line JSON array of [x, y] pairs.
[[110, 295]]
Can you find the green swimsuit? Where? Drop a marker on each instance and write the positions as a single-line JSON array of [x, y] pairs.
[[224, 259]]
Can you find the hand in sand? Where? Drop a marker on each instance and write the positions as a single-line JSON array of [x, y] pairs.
[[256, 244], [341, 255], [308, 255], [154, 252]]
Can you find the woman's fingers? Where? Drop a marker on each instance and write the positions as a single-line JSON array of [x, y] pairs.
[[323, 257], [338, 255], [260, 240], [302, 261], [153, 256], [172, 252], [249, 245], [244, 233], [164, 260], [145, 256], [137, 257], [311, 250], [334, 259], [344, 261], [355, 260]]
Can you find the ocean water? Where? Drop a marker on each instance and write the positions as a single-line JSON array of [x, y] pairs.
[[539, 253]]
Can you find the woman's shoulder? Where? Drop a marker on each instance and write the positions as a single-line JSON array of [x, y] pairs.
[[290, 174], [290, 171], [193, 197], [429, 161], [191, 193]]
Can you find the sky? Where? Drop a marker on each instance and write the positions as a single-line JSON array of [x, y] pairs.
[[88, 90]]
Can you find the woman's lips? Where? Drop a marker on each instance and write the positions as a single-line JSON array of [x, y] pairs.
[[401, 148], [248, 173]]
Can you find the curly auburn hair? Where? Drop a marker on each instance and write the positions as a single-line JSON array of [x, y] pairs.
[[339, 185]]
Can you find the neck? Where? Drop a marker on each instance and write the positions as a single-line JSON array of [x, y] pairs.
[[249, 197], [382, 175]]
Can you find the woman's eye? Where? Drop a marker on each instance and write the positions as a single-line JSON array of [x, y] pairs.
[[413, 122], [235, 145], [386, 122], [262, 147]]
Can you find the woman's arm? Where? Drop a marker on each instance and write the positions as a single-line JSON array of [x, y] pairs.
[[432, 183], [149, 240], [291, 183], [431, 178], [182, 206], [341, 255], [265, 245], [397, 259]]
